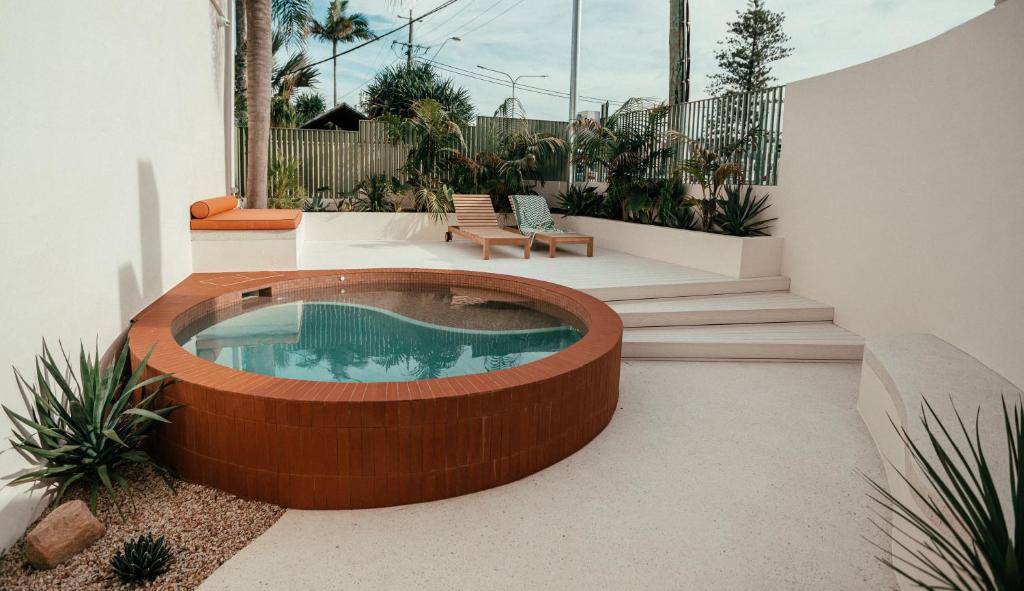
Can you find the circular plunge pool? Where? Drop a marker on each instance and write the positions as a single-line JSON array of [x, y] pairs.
[[369, 388], [382, 333]]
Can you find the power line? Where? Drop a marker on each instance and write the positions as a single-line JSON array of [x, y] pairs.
[[432, 30], [438, 8], [540, 90], [477, 16], [496, 17]]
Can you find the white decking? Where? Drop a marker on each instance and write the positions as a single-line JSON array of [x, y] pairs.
[[671, 312]]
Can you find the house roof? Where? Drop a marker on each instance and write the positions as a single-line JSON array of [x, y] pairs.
[[343, 116]]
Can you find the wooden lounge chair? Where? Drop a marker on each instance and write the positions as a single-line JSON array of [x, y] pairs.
[[534, 220], [478, 223]]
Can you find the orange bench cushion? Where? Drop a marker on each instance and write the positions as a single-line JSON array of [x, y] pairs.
[[251, 219], [213, 206]]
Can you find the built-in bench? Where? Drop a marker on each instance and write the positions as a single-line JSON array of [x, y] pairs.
[[898, 373], [251, 239]]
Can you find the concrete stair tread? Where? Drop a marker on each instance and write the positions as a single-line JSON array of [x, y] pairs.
[[743, 308], [610, 292], [784, 340]]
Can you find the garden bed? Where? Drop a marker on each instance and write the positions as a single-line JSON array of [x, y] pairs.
[[203, 527], [733, 256]]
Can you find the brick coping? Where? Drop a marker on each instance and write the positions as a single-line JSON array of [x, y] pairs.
[[343, 445]]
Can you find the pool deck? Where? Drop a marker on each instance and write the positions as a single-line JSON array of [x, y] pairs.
[[710, 476]]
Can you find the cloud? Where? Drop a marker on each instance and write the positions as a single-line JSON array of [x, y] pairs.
[[624, 43]]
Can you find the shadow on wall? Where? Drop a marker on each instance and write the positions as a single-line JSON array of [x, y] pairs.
[[137, 289]]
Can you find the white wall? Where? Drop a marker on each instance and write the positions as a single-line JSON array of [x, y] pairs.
[[901, 198], [111, 123]]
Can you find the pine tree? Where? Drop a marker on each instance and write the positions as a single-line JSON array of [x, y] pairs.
[[756, 40]]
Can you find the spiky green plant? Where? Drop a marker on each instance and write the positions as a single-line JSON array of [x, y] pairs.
[[377, 193], [959, 536], [740, 214], [86, 428], [580, 200], [141, 559]]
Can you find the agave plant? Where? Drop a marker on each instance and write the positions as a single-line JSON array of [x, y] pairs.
[[740, 214], [86, 428], [712, 169], [377, 193], [577, 200], [957, 535], [141, 559]]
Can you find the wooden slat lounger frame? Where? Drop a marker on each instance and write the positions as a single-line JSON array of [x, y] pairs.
[[554, 239], [478, 222]]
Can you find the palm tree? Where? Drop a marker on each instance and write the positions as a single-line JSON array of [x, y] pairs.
[[340, 27], [259, 62]]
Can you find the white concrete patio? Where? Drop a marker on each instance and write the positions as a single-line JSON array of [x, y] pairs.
[[710, 476], [670, 311]]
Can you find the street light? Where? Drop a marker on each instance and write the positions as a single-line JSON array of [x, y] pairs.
[[513, 81], [456, 39]]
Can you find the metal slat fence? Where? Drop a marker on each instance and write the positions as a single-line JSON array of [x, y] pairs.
[[341, 159]]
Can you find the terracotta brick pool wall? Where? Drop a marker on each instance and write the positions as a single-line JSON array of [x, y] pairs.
[[333, 445]]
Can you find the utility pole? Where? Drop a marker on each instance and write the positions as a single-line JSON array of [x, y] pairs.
[[409, 47], [577, 10], [679, 51]]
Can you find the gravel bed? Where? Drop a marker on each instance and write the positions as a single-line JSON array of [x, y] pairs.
[[203, 526]]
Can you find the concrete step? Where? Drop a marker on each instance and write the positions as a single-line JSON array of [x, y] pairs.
[[803, 341], [743, 308], [688, 288]]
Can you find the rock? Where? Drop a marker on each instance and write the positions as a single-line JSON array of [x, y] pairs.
[[66, 531]]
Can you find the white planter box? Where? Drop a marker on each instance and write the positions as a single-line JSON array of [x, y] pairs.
[[350, 225], [727, 255]]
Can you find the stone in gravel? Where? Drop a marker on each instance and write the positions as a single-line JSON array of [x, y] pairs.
[[66, 531]]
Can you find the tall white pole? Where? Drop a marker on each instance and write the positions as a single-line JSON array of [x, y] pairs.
[[577, 14]]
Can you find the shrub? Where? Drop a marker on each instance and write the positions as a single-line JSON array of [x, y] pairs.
[[285, 189], [317, 203], [377, 193], [577, 200], [739, 215], [85, 428], [141, 559]]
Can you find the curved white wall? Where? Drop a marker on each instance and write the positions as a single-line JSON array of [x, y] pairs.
[[901, 194], [111, 122]]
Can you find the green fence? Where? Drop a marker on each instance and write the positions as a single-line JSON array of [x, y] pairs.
[[341, 159], [716, 124]]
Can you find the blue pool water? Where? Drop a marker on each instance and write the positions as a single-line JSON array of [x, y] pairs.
[[382, 335]]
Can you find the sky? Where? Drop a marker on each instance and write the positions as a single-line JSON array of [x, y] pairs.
[[624, 43]]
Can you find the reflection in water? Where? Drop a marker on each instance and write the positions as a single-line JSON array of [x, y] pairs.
[[351, 341]]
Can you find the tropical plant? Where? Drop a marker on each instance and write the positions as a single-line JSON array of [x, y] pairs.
[[755, 41], [288, 76], [740, 214], [631, 146], [291, 19], [435, 139], [377, 193], [317, 203], [959, 537], [337, 27], [712, 169], [85, 428], [397, 88], [141, 559], [581, 200], [307, 106], [518, 159], [285, 184], [434, 197]]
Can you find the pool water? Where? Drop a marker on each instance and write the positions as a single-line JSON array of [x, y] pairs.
[[414, 332]]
